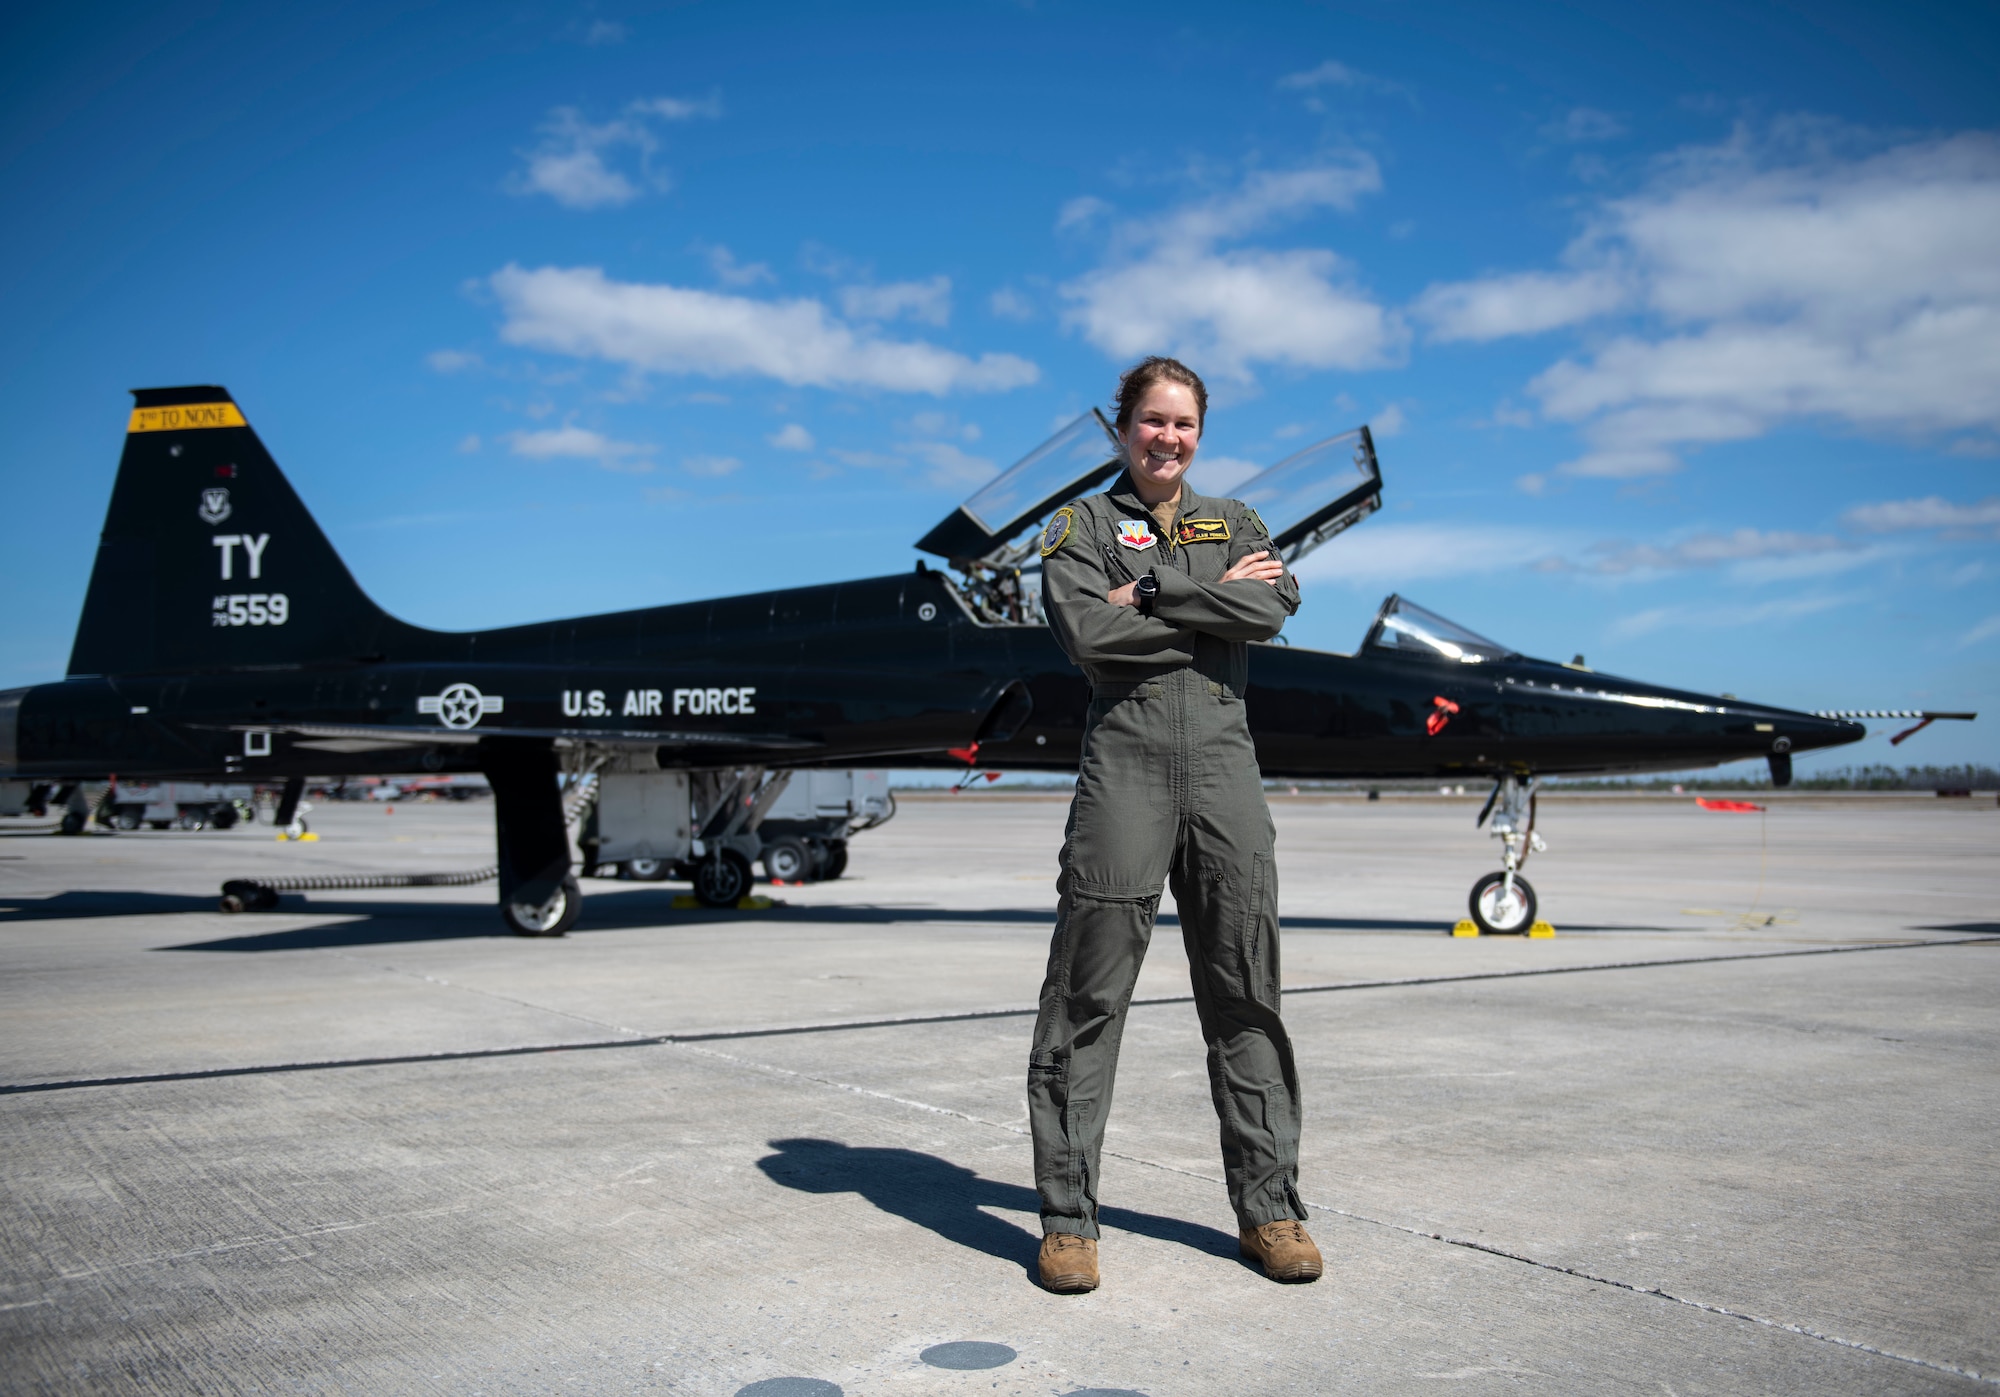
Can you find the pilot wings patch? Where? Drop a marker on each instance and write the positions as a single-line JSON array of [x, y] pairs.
[[1203, 531]]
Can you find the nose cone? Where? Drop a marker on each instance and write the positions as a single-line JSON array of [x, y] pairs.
[[1807, 732]]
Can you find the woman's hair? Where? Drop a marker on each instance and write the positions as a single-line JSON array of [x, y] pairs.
[[1157, 368]]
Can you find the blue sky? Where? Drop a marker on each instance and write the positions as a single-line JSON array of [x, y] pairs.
[[1678, 327]]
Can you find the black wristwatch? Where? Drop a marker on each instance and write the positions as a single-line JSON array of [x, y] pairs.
[[1146, 588]]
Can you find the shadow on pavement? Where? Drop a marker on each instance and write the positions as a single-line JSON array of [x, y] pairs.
[[382, 921], [947, 1198]]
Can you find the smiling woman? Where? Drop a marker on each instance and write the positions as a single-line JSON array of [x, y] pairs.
[[1168, 790]]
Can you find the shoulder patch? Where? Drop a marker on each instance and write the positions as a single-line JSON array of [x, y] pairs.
[[1258, 520], [1203, 531], [1058, 530]]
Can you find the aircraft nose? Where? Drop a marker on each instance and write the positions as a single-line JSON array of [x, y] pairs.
[[1807, 732]]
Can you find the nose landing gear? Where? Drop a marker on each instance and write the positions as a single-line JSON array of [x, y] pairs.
[[1504, 902]]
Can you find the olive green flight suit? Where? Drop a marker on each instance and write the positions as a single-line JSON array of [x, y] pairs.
[[1168, 791]]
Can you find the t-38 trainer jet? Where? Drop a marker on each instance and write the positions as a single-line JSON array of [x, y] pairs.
[[222, 636]]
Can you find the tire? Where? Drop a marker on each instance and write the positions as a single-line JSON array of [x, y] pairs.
[[553, 919], [643, 870], [835, 862], [788, 861], [73, 821], [190, 818], [721, 879], [222, 817], [1496, 917], [127, 817]]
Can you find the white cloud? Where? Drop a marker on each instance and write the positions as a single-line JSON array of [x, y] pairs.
[[451, 361], [1931, 512], [1525, 303], [1081, 211], [659, 328], [1584, 124], [1701, 550], [928, 302], [1710, 617], [468, 444], [580, 443], [730, 272], [1779, 283], [1388, 422], [1334, 73], [1985, 630], [574, 162], [1397, 554], [1009, 304], [949, 465], [791, 437], [1229, 309], [713, 466], [1218, 475], [604, 31]]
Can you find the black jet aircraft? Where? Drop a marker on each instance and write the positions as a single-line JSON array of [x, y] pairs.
[[222, 636]]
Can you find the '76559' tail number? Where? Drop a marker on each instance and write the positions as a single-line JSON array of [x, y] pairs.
[[252, 609]]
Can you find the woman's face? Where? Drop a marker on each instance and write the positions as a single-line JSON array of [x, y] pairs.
[[1161, 440]]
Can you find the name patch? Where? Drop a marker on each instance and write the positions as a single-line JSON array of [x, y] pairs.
[[1203, 531], [1137, 534]]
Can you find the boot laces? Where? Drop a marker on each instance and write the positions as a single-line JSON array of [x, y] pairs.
[[1285, 1230], [1063, 1241]]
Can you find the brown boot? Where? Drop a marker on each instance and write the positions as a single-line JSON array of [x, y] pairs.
[[1283, 1249], [1068, 1263]]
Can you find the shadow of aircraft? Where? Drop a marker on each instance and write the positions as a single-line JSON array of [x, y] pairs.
[[949, 1199]]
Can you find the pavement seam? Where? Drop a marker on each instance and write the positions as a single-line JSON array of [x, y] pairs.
[[908, 1021], [1803, 1331]]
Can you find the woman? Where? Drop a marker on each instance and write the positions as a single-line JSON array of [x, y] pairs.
[[1154, 591]]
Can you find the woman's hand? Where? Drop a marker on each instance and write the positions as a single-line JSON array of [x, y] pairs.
[[1128, 595], [1259, 565]]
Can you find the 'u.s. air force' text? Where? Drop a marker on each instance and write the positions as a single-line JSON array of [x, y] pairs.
[[651, 703]]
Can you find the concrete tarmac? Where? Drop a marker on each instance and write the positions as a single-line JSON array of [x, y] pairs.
[[1736, 1129]]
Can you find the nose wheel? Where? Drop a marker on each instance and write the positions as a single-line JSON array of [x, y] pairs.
[[1501, 906]]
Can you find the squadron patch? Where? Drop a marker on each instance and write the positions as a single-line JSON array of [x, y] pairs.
[[1137, 534], [1203, 531], [1058, 530]]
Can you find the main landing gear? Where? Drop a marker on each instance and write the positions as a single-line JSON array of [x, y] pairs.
[[1504, 902]]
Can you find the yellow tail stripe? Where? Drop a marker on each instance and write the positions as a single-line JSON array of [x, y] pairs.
[[185, 416]]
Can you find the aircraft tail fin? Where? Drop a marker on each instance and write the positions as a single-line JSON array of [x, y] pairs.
[[209, 558]]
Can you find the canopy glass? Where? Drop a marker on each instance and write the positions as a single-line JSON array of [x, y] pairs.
[[1405, 628]]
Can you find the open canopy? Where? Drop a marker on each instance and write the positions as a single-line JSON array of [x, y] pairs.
[[1081, 455], [1404, 628], [1313, 494]]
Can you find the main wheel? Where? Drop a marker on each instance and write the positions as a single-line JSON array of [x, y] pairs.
[[643, 870], [127, 816], [223, 817], [835, 862], [552, 918], [73, 821], [788, 861], [721, 879], [1497, 912]]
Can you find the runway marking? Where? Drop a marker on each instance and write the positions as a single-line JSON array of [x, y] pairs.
[[907, 1021]]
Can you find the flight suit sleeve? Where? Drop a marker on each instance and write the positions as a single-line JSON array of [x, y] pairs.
[[1241, 610], [1075, 582]]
